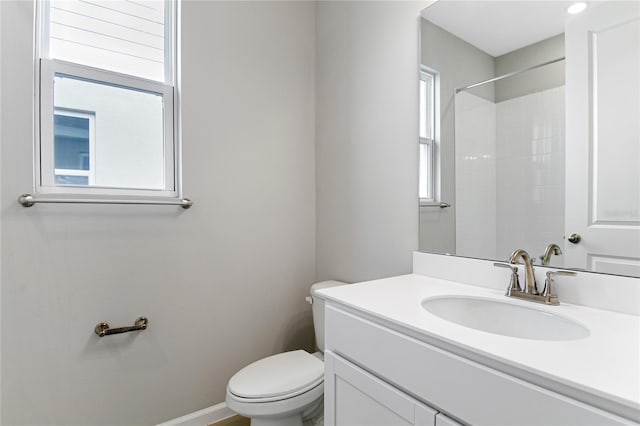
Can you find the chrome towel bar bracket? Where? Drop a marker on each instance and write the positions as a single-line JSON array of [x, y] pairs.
[[28, 200], [102, 329]]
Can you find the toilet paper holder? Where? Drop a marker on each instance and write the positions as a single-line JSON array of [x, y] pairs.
[[103, 329]]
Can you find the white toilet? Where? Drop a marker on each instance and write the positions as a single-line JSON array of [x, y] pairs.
[[287, 388]]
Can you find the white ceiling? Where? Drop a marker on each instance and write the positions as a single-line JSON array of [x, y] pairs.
[[499, 27]]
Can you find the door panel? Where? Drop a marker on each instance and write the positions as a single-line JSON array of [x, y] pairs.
[[603, 138], [615, 53]]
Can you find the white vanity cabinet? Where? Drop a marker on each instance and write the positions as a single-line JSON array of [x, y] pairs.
[[376, 375]]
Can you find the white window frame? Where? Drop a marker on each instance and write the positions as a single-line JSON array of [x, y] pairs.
[[47, 69], [430, 178], [91, 173]]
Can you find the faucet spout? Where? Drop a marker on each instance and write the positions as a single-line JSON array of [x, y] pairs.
[[551, 249], [529, 277]]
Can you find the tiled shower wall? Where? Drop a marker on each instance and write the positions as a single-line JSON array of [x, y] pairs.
[[509, 166], [530, 173], [475, 120]]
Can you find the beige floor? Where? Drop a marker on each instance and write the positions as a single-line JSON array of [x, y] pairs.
[[243, 421], [233, 421]]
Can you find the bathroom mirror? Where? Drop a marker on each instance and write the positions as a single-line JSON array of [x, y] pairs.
[[529, 132]]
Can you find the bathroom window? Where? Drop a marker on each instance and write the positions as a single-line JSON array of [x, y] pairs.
[[427, 186], [106, 117]]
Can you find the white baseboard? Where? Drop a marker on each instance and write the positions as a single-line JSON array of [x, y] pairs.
[[203, 417]]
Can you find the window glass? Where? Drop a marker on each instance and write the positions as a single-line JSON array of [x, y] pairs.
[[425, 172], [129, 130], [426, 106]]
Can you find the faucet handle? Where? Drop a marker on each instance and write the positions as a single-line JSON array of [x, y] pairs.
[[514, 282], [549, 291], [561, 273], [513, 268]]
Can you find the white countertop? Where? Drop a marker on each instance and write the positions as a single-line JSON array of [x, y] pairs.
[[604, 365]]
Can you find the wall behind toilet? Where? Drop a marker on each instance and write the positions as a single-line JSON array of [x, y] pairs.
[[223, 283], [366, 138]]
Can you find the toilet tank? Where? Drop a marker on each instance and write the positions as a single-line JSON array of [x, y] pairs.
[[317, 305]]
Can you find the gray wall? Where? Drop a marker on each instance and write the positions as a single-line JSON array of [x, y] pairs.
[[1, 214], [533, 81], [459, 64], [223, 283], [366, 138]]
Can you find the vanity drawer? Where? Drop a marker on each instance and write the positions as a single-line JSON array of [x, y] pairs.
[[467, 390]]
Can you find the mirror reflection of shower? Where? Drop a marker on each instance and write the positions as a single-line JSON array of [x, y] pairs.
[[509, 162]]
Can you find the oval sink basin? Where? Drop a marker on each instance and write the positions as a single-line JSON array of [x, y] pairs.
[[504, 318]]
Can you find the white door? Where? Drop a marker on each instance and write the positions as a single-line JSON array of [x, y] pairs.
[[603, 138]]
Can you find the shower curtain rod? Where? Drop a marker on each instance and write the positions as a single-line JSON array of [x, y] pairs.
[[491, 80]]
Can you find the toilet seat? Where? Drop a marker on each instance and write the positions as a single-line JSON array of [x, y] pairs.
[[300, 404], [278, 377]]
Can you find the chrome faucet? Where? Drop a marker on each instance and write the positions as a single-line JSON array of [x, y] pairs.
[[529, 277], [530, 291], [551, 249]]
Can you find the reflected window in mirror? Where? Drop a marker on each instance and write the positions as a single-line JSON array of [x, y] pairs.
[[427, 188]]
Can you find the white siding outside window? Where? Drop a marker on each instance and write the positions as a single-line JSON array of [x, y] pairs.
[[128, 37]]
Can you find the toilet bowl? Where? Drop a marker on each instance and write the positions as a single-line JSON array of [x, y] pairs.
[[287, 388]]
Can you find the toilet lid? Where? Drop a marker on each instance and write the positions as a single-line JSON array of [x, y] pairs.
[[277, 375]]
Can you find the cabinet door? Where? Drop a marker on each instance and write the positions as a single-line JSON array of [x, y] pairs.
[[442, 420], [354, 397]]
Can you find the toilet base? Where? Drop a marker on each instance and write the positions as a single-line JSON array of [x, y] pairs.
[[287, 421], [312, 412]]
